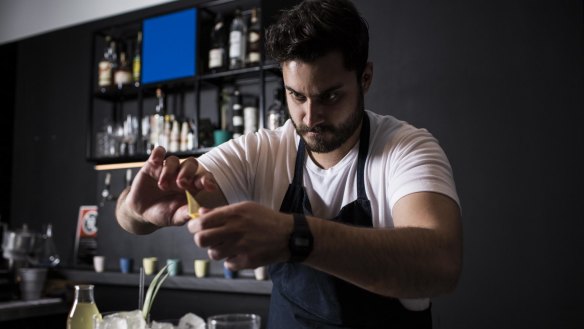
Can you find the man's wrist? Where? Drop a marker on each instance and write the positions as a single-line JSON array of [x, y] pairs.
[[301, 240]]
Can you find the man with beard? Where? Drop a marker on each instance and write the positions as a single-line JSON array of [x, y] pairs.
[[356, 213]]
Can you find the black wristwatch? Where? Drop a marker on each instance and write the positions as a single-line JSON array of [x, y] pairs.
[[301, 240]]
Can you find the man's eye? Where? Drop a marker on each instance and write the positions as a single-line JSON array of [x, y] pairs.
[[330, 97], [296, 96]]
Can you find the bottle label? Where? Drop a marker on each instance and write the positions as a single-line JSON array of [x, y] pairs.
[[215, 58], [237, 121], [253, 37], [253, 57], [122, 77], [105, 73], [136, 68], [250, 119], [235, 44]]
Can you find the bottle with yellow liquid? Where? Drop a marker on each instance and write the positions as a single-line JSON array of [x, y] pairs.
[[83, 309]]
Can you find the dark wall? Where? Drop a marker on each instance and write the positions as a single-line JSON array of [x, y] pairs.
[[499, 83], [8, 60]]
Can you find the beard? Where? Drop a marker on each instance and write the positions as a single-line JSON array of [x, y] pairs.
[[330, 137]]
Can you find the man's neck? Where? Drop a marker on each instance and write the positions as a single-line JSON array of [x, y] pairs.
[[329, 159]]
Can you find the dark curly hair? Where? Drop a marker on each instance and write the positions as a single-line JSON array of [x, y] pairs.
[[314, 28]]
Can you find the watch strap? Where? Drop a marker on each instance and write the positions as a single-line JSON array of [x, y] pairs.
[[301, 239]]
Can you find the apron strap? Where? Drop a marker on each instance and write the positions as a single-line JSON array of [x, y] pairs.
[[363, 150]]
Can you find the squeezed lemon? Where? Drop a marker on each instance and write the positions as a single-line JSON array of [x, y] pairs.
[[193, 205]]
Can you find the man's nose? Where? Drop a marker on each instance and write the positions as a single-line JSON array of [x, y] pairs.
[[312, 113]]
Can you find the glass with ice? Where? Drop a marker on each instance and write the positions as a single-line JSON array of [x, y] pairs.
[[135, 320]]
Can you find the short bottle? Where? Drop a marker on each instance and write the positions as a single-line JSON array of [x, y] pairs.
[[84, 309]]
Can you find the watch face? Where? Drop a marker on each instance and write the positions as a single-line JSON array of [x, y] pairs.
[[301, 242]]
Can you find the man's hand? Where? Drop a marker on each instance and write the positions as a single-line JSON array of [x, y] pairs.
[[157, 195], [246, 234]]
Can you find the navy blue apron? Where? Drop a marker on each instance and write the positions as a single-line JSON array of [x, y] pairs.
[[303, 297]]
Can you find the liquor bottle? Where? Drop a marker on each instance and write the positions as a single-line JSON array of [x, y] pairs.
[[237, 35], [122, 75], [254, 39], [173, 145], [237, 115], [84, 309], [157, 120], [276, 110], [105, 69], [217, 53], [137, 61]]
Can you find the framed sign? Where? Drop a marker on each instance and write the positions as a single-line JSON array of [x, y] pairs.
[[86, 235]]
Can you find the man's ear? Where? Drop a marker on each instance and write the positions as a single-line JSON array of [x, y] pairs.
[[367, 76]]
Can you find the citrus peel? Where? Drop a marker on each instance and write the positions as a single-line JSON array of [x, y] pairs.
[[193, 205]]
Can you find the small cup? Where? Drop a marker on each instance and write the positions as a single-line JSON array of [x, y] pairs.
[[32, 282], [99, 263], [221, 136], [261, 273], [174, 266], [201, 268], [126, 264], [229, 274], [150, 265]]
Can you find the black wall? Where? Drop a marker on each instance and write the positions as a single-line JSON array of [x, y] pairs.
[[499, 83]]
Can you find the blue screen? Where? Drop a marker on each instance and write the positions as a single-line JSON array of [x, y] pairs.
[[169, 46]]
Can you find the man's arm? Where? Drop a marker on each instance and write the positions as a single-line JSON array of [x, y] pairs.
[[420, 257]]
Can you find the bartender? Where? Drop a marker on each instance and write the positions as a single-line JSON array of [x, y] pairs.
[[355, 213]]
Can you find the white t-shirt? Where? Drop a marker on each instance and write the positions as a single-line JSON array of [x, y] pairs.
[[402, 160]]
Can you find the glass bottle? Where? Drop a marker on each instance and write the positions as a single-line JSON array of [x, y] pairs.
[[217, 53], [123, 76], [237, 35], [48, 256], [105, 69], [253, 39], [137, 61], [83, 309], [276, 110]]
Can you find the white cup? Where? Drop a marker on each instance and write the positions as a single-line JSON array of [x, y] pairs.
[[99, 263], [261, 273]]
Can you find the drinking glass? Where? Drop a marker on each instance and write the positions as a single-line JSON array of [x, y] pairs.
[[234, 321]]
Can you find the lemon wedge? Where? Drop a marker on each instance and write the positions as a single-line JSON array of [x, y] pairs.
[[193, 205]]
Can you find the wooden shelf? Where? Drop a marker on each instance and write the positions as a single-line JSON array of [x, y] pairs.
[[181, 282]]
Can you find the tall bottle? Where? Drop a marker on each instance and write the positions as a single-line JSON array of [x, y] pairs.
[[254, 39], [157, 120], [237, 114], [237, 34], [137, 60], [217, 53], [83, 309]]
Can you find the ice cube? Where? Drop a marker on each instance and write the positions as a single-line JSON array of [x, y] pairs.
[[191, 321], [124, 320], [161, 325]]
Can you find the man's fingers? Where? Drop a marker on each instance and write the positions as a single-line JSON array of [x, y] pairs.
[[167, 179]]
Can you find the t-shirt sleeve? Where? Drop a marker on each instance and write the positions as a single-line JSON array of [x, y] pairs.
[[230, 165], [419, 164]]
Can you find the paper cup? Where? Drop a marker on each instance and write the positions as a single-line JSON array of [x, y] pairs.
[[201, 268]]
